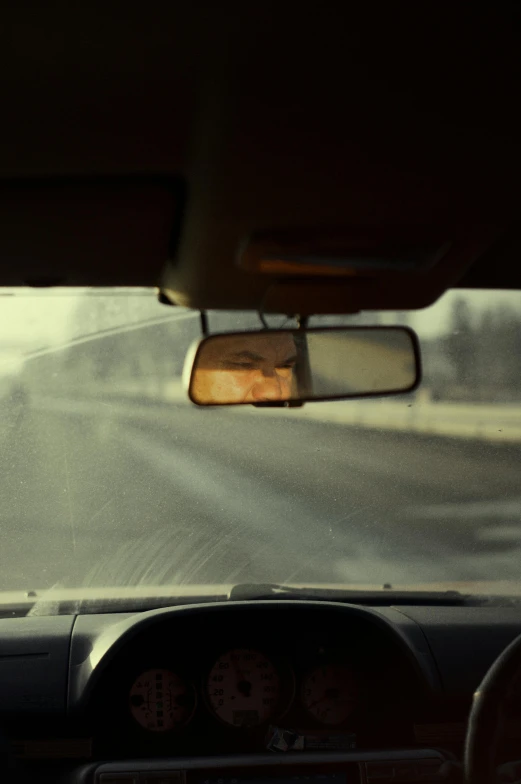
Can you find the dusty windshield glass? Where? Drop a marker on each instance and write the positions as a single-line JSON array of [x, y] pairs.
[[111, 477]]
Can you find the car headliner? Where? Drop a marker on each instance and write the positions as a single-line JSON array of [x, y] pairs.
[[190, 128]]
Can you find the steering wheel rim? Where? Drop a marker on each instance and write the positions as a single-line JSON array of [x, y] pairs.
[[486, 719]]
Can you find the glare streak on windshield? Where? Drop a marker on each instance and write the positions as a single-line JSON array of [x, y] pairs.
[[112, 479]]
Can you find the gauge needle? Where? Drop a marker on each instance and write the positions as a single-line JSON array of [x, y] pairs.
[[326, 696], [317, 702], [244, 687], [238, 672]]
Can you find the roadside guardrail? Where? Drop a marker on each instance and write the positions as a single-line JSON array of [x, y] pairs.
[[498, 423]]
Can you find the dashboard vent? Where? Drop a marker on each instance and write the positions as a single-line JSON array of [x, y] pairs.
[[439, 734], [53, 748]]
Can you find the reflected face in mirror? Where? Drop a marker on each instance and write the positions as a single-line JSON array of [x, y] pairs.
[[302, 365], [245, 369]]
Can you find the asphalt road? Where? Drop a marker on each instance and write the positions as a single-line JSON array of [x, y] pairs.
[[94, 493]]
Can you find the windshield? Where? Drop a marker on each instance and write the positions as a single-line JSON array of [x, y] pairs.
[[111, 477]]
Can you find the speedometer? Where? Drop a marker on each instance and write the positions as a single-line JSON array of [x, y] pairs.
[[243, 687], [160, 700]]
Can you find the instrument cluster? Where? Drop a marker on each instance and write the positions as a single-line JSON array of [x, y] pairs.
[[245, 687], [243, 679]]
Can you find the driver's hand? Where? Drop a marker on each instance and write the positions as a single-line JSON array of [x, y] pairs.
[[510, 772], [452, 773]]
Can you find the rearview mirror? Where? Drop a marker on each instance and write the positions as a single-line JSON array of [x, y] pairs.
[[290, 366]]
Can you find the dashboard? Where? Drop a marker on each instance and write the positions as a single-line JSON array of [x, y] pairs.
[[220, 693], [255, 679]]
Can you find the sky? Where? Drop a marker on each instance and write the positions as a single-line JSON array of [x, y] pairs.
[[32, 319], [435, 320]]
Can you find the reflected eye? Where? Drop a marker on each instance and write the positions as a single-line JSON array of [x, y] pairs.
[[239, 366]]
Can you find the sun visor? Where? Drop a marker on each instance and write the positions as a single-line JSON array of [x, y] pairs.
[[362, 270], [87, 231], [344, 271], [342, 254]]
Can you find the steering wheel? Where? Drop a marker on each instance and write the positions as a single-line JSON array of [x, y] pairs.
[[488, 718]]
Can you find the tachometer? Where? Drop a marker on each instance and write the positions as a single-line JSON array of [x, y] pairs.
[[160, 700], [328, 693], [243, 688]]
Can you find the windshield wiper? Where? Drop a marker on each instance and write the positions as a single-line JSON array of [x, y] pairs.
[[86, 601], [374, 598]]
